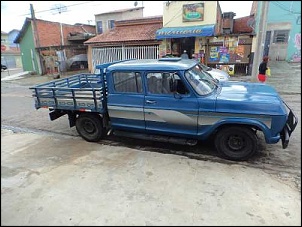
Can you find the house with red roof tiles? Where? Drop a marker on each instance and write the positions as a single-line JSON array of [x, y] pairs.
[[44, 43], [132, 38], [10, 52]]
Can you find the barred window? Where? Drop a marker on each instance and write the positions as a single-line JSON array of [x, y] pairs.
[[281, 36]]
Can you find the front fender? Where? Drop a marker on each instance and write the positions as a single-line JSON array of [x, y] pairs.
[[205, 131]]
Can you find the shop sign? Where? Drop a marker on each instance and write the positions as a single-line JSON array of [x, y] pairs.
[[187, 31], [193, 12]]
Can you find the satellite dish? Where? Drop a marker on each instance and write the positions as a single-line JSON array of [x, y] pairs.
[[58, 8], [135, 3], [251, 23]]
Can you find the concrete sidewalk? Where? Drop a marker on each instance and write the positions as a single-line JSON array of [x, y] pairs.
[[285, 77], [16, 76], [44, 183]]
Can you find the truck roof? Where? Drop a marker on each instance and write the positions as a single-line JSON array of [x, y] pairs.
[[170, 64]]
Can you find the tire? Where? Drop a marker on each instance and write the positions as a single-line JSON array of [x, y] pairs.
[[90, 127], [236, 143]]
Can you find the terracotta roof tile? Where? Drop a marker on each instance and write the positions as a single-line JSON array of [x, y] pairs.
[[130, 32], [50, 33]]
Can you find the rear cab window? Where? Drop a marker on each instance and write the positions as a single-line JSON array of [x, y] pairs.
[[127, 82]]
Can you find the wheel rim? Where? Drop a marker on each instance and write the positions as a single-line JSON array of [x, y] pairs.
[[236, 143], [89, 127]]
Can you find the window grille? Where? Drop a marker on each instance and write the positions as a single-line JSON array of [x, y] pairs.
[[280, 36], [99, 25], [110, 24]]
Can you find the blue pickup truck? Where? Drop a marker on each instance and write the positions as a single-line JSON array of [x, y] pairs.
[[172, 100]]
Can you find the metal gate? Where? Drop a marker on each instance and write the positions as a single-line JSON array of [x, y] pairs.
[[110, 54]]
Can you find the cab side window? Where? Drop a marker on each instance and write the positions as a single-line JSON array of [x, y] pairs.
[[159, 83], [127, 82]]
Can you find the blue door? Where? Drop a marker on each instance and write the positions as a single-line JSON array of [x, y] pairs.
[[168, 113], [125, 101]]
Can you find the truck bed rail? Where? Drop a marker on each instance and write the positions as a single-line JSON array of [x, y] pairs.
[[82, 92]]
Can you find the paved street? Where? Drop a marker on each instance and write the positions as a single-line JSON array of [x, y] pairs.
[[50, 176]]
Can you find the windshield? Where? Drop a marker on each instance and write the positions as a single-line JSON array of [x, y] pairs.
[[201, 81], [204, 67]]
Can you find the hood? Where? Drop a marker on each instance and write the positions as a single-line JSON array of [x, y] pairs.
[[219, 74], [244, 97]]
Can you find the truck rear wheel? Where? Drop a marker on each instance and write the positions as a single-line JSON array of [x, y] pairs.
[[236, 143], [90, 127]]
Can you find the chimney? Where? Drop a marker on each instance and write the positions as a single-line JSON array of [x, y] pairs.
[[228, 22]]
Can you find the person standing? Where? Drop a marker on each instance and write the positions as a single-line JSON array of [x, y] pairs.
[[194, 57], [262, 68], [185, 55]]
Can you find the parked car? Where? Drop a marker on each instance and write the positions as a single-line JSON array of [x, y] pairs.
[[3, 67], [216, 73], [77, 62]]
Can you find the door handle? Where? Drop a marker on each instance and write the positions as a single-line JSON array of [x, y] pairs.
[[150, 101]]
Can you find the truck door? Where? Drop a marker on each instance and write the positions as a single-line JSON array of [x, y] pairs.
[[168, 113], [125, 101]]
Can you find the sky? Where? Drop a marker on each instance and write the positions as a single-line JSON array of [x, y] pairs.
[[14, 13]]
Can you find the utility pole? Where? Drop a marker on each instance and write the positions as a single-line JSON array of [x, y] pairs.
[[59, 8], [37, 39], [261, 33]]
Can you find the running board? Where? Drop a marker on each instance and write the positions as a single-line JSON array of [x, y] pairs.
[[157, 138]]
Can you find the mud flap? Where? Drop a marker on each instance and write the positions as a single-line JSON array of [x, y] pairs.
[[55, 114]]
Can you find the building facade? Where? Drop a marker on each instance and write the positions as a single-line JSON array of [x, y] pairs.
[[45, 46], [106, 21], [283, 32], [10, 52], [129, 39], [214, 38], [199, 27], [186, 26]]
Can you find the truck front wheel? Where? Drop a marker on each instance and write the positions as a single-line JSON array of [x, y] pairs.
[[236, 143], [90, 127]]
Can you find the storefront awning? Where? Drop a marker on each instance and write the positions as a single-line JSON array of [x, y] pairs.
[[181, 32]]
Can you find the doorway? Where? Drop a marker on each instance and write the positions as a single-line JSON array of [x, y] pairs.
[[188, 44], [267, 43]]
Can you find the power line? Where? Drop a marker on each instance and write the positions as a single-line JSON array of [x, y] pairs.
[[42, 11], [176, 14], [284, 7]]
